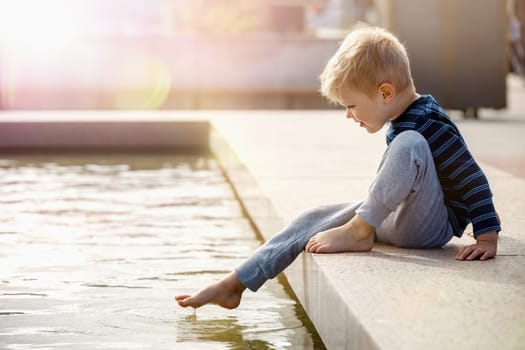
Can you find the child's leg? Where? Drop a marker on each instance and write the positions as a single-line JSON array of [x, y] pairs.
[[405, 201], [282, 249], [405, 205], [272, 257]]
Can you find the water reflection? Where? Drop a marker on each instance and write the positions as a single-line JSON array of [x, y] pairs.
[[227, 331], [93, 252]]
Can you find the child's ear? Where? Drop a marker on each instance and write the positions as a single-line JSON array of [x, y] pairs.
[[387, 92]]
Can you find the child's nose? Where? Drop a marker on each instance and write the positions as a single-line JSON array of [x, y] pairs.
[[349, 114]]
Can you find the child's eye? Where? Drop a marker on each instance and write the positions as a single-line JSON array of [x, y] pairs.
[[350, 106]]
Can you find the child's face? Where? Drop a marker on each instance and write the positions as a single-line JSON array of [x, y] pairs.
[[370, 112]]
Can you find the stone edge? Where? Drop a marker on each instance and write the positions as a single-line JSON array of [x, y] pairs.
[[338, 330], [82, 135]]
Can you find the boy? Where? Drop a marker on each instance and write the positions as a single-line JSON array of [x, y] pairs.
[[427, 189]]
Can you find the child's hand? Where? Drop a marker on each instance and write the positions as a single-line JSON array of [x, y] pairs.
[[484, 249]]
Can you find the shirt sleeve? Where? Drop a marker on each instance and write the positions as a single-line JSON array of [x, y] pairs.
[[467, 186]]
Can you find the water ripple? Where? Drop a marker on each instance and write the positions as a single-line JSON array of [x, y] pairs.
[[26, 294], [11, 313], [101, 285]]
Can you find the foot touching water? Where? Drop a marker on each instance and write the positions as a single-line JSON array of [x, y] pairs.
[[226, 293]]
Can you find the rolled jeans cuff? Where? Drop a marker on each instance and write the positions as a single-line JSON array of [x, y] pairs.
[[251, 275], [373, 211]]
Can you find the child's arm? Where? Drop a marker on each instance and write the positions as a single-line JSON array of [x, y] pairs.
[[485, 248]]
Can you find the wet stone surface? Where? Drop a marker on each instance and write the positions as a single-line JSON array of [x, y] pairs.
[[94, 250]]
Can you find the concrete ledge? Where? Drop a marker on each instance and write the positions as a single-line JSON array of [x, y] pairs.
[[389, 298], [54, 131], [321, 300]]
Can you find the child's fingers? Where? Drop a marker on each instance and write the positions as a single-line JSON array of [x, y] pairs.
[[476, 253], [463, 253], [487, 255], [459, 254], [470, 253]]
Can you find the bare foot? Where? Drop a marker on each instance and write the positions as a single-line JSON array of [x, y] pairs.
[[226, 293], [355, 236]]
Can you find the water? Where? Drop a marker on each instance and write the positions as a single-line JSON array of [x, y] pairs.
[[93, 250]]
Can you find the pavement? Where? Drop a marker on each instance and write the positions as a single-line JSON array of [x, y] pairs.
[[281, 163]]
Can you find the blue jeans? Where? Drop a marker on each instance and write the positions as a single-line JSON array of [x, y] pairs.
[[405, 204]]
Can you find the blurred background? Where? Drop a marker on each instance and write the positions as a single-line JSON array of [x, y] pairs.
[[242, 54]]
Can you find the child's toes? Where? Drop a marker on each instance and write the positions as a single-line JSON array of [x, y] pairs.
[[182, 299]]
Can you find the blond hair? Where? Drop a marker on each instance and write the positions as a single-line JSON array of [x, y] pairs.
[[366, 58]]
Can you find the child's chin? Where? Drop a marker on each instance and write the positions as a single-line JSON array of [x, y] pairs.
[[373, 129]]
